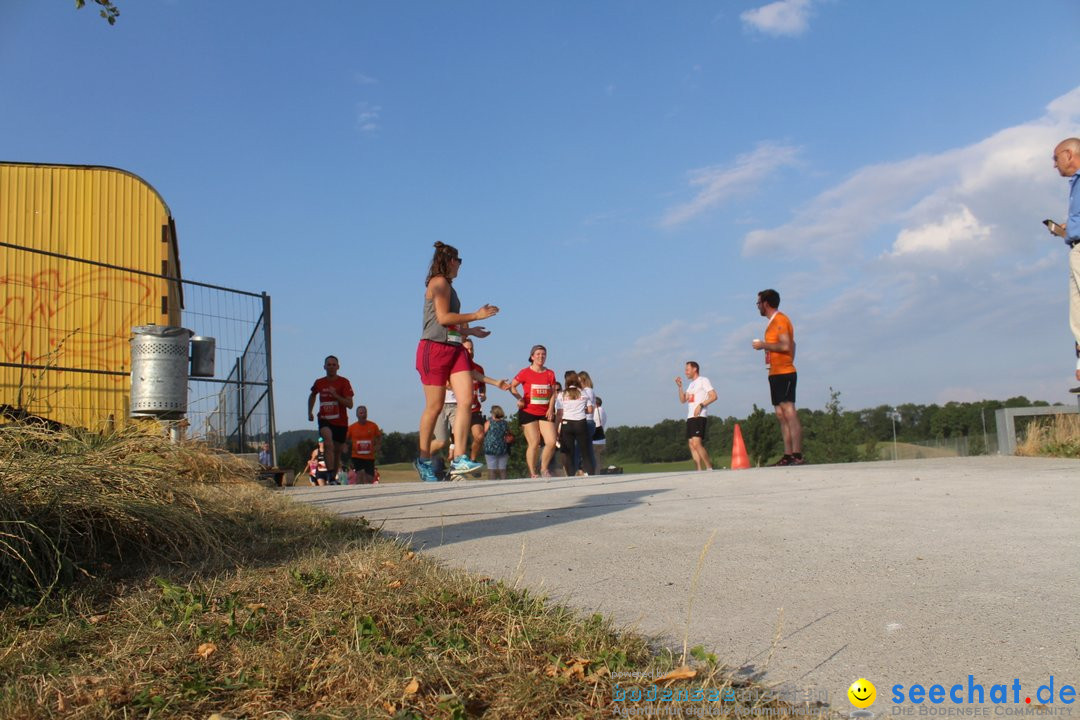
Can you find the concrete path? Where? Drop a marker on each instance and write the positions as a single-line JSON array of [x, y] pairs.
[[922, 571]]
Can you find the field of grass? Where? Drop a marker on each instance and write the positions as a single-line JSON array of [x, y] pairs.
[[910, 451], [149, 580]]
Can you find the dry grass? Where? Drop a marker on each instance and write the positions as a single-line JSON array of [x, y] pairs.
[[232, 600], [1057, 436], [74, 502]]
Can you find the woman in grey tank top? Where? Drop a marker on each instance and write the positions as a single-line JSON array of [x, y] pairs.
[[441, 359]]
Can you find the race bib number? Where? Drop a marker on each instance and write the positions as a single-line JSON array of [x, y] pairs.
[[328, 406], [540, 395]]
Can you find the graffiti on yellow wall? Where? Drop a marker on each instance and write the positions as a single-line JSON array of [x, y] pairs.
[[82, 320]]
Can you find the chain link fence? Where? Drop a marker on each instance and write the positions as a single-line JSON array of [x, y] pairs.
[[65, 329]]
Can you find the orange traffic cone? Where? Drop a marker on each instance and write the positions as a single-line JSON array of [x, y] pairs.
[[739, 459]]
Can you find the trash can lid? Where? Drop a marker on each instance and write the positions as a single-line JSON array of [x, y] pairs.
[[160, 330]]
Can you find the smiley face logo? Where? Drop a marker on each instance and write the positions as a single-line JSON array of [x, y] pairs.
[[862, 693]]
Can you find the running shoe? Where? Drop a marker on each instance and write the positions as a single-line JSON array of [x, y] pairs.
[[425, 471], [786, 460], [798, 461], [462, 465]]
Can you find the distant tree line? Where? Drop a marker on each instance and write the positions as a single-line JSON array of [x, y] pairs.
[[830, 435]]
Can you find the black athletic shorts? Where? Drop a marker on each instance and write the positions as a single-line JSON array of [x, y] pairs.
[[476, 419], [695, 427], [339, 432], [525, 418], [364, 464], [783, 388]]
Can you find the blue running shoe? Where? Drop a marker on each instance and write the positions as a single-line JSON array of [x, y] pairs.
[[424, 470], [462, 465]]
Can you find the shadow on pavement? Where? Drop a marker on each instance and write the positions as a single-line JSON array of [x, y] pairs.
[[504, 523]]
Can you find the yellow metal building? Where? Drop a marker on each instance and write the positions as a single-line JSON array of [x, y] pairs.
[[80, 249]]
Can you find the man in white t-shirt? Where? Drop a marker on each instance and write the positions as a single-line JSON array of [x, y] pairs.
[[698, 394]]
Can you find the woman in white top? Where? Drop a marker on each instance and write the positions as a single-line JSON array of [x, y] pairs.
[[590, 423], [573, 410]]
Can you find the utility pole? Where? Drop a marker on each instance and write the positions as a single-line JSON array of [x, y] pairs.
[[894, 416]]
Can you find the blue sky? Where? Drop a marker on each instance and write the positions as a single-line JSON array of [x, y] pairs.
[[621, 178]]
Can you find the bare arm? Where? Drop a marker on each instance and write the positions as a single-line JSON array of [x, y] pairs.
[[513, 388], [311, 405], [501, 384], [440, 298], [709, 400], [682, 395], [782, 345]]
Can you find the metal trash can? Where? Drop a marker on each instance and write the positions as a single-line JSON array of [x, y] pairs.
[[159, 371]]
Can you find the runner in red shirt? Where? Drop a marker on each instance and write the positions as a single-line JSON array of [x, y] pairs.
[[335, 395], [536, 409]]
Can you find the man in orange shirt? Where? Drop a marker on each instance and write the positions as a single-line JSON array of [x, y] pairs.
[[365, 438], [779, 347]]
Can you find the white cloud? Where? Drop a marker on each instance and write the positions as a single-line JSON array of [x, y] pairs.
[[367, 117], [1004, 181], [669, 340], [784, 17], [718, 184], [363, 79], [958, 231]]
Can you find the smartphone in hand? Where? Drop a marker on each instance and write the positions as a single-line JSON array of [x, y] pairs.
[[1053, 227]]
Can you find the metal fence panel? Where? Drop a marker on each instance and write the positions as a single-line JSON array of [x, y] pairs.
[[93, 389]]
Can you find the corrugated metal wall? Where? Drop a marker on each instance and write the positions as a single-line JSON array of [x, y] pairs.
[[67, 314]]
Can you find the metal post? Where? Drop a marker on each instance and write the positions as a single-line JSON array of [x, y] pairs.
[[986, 440], [893, 415], [1006, 432], [240, 416], [893, 437], [269, 379]]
